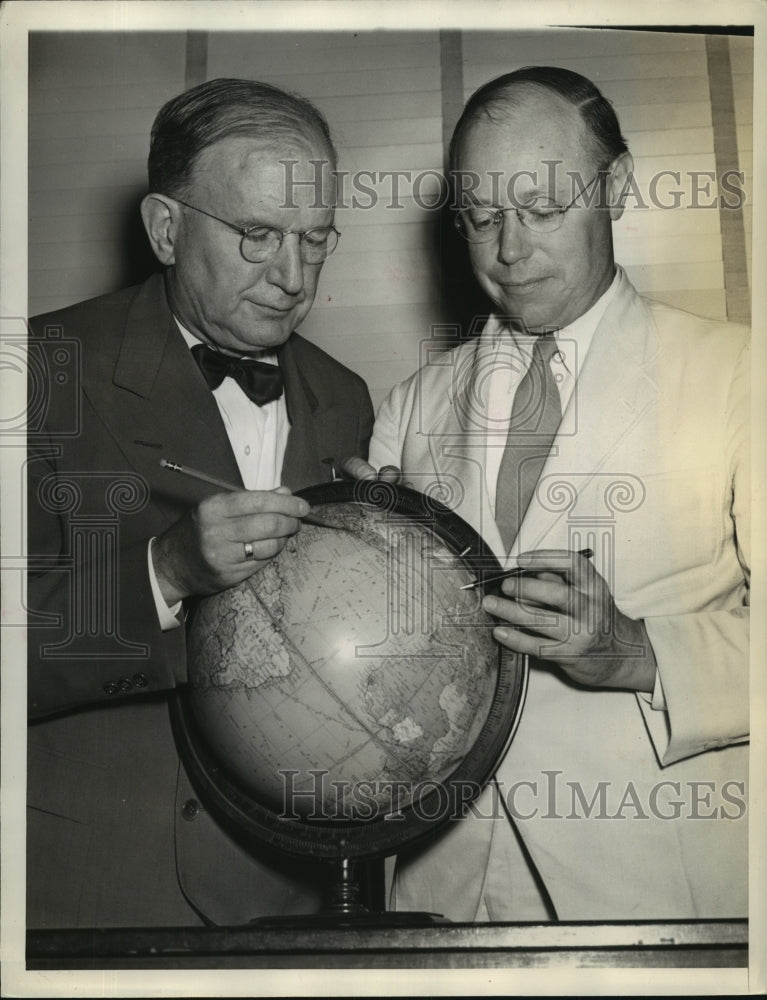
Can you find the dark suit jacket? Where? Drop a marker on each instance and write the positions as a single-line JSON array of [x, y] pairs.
[[115, 390]]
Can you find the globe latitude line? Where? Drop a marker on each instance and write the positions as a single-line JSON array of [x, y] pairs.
[[450, 729], [372, 736]]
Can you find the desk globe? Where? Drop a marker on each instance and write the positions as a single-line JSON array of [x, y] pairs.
[[349, 698]]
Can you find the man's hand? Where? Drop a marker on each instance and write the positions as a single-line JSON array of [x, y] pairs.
[[569, 618], [358, 468], [204, 552]]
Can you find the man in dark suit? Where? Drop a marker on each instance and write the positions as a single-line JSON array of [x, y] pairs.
[[117, 544]]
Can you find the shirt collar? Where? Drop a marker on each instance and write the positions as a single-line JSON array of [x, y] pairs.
[[573, 340], [267, 356]]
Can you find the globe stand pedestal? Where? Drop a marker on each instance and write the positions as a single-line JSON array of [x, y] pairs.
[[344, 909], [344, 895]]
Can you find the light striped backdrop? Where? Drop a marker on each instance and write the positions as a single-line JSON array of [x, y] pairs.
[[391, 99]]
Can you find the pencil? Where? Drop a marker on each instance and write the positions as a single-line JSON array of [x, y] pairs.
[[517, 571], [203, 477]]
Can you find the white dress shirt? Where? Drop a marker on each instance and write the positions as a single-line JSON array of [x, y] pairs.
[[258, 436]]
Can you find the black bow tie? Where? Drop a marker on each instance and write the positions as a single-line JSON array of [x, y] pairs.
[[261, 382]]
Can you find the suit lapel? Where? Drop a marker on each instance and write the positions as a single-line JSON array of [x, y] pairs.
[[457, 442], [302, 465], [610, 406], [161, 407], [316, 419]]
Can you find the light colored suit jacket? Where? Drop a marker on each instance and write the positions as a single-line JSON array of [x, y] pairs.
[[650, 469]]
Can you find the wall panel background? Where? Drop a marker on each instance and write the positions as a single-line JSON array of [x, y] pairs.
[[92, 99]]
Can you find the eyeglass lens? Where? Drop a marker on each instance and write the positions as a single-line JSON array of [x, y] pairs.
[[264, 242]]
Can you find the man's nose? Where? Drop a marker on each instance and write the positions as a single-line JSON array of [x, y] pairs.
[[286, 266], [513, 239]]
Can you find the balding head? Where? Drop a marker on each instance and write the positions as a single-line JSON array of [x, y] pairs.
[[602, 132]]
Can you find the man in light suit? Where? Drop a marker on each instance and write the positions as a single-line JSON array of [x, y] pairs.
[[189, 366], [623, 795]]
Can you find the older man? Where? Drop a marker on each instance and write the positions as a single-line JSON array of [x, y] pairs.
[[201, 365], [586, 417]]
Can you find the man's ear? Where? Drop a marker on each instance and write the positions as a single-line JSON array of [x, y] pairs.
[[160, 215], [618, 184]]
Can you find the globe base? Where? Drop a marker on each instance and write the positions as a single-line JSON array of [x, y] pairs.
[[324, 921], [345, 909]]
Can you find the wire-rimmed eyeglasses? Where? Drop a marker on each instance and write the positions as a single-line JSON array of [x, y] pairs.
[[481, 225], [258, 243]]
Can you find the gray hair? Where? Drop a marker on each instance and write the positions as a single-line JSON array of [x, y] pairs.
[[195, 119]]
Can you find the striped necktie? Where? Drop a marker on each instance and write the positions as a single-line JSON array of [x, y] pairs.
[[535, 417]]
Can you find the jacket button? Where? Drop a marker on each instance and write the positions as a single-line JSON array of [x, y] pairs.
[[110, 688], [140, 680], [126, 684], [190, 809]]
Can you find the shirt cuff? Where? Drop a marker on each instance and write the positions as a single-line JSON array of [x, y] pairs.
[[167, 616], [656, 699]]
